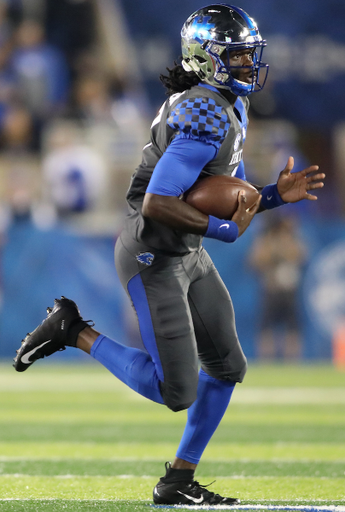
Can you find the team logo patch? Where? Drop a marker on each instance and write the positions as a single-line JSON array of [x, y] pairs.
[[145, 257]]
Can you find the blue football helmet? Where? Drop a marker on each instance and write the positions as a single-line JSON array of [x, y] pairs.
[[210, 34]]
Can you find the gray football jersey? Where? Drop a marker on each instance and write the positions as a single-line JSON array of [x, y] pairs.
[[199, 113]]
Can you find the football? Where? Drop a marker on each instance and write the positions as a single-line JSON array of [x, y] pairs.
[[218, 195]]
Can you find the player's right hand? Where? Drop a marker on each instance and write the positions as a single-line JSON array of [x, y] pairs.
[[243, 215]]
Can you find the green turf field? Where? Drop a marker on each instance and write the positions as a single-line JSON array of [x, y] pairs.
[[73, 438]]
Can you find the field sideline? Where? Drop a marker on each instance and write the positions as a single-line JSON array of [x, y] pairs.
[[74, 438]]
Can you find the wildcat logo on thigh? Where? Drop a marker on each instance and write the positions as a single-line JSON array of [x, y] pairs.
[[145, 257]]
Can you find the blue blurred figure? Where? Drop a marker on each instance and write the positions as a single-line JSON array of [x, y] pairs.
[[39, 70]]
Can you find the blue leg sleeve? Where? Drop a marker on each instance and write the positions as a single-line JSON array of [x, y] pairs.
[[132, 366], [204, 416]]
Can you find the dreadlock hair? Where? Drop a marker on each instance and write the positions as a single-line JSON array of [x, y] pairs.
[[178, 80]]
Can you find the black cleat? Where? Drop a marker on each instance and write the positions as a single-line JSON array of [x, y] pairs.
[[186, 493], [60, 328]]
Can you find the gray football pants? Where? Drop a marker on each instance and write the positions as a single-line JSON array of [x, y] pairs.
[[185, 314]]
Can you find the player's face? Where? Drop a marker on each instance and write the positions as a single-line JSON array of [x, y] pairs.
[[241, 62]]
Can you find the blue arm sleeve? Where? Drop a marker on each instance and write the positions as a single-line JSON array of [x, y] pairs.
[[180, 166]]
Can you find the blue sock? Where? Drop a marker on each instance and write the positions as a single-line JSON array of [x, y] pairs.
[[132, 366], [204, 416]]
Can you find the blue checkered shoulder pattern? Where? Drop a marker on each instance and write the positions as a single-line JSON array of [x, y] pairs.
[[200, 119]]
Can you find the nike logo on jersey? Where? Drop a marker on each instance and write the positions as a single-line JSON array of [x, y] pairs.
[[26, 357], [226, 226], [269, 198], [194, 500]]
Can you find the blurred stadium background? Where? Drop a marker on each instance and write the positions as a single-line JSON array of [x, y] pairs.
[[78, 89]]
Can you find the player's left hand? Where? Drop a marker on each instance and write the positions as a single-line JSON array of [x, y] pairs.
[[293, 187]]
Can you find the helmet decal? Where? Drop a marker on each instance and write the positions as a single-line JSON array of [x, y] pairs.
[[201, 28]]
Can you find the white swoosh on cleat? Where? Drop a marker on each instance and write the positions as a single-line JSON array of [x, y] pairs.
[[25, 358], [195, 500]]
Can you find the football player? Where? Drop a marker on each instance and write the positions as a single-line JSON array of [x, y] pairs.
[[185, 312]]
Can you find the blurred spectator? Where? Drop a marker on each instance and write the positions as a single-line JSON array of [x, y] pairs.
[[17, 129], [92, 99], [6, 30], [19, 184], [73, 173], [19, 168], [278, 255], [39, 70], [71, 26]]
